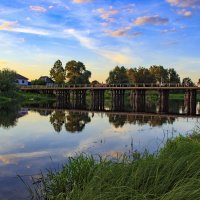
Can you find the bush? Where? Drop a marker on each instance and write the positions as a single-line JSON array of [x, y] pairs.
[[8, 85]]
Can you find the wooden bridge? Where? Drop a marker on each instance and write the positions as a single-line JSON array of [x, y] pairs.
[[77, 94]]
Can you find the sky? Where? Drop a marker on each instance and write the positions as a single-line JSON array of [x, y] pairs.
[[100, 33]]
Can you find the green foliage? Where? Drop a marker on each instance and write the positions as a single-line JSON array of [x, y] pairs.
[[173, 173], [8, 85], [57, 73], [76, 73], [173, 77], [155, 74], [160, 73], [118, 75], [38, 82], [187, 82]]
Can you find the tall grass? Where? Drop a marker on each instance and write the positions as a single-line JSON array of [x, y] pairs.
[[172, 173]]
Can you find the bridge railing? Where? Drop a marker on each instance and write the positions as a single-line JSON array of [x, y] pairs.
[[107, 85]]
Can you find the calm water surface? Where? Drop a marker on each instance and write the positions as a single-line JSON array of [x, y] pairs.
[[34, 139]]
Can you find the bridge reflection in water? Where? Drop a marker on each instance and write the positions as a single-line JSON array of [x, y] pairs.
[[74, 120]]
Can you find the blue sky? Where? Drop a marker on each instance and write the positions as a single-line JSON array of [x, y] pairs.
[[101, 34]]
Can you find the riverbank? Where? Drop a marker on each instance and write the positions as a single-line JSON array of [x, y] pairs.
[[172, 173], [27, 98]]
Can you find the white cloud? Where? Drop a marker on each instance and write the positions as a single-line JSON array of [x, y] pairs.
[[185, 3], [184, 12], [107, 14], [118, 32], [169, 30], [38, 9], [154, 20], [82, 1]]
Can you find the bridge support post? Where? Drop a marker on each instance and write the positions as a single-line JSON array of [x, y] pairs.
[[117, 99], [164, 101], [78, 98], [138, 100], [190, 101], [97, 99]]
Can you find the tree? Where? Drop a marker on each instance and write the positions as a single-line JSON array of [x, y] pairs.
[[132, 75], [76, 73], [118, 75], [160, 73], [144, 76], [187, 82], [8, 82], [198, 84], [173, 76], [38, 82], [95, 82], [57, 73]]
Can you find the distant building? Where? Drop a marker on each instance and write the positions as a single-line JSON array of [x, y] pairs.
[[21, 80], [47, 80]]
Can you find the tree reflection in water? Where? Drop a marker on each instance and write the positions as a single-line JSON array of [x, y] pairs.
[[76, 121], [117, 120], [9, 113], [57, 119], [120, 120], [73, 121]]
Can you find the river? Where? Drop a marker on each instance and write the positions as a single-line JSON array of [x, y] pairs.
[[36, 138]]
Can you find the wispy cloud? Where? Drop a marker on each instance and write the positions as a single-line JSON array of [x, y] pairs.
[[84, 40], [38, 9], [107, 14], [116, 57], [7, 25], [82, 1], [118, 32], [184, 12], [173, 30], [185, 3], [154, 20], [14, 27]]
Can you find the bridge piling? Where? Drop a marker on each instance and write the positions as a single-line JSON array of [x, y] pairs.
[[138, 99], [190, 101], [97, 98], [164, 101]]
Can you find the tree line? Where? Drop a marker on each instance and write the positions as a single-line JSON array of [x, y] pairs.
[[75, 72]]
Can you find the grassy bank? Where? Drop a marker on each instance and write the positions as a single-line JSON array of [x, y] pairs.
[[173, 173], [32, 98], [26, 98]]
